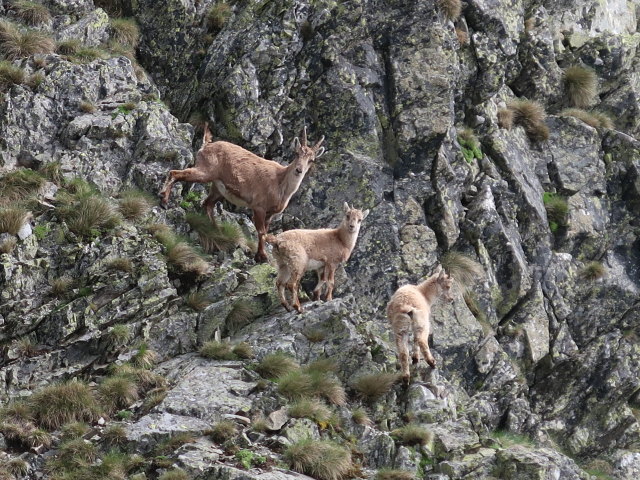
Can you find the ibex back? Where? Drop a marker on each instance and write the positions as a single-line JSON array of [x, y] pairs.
[[246, 180]]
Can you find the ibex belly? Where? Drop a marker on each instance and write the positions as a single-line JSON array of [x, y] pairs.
[[224, 191], [314, 264]]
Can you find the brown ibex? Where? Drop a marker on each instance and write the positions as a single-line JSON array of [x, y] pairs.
[[246, 180], [297, 251], [409, 310]]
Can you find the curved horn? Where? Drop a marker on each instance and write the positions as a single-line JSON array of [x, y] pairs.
[[206, 136], [346, 207], [317, 145], [304, 136]]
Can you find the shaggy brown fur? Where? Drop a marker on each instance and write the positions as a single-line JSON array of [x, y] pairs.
[[409, 310], [246, 180], [297, 251]]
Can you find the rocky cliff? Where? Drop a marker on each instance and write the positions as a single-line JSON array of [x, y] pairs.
[[138, 342]]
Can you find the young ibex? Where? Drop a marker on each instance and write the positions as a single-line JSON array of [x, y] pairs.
[[246, 180], [409, 310], [297, 251]]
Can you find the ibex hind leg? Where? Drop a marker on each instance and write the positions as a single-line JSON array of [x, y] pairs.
[[210, 202], [281, 284]]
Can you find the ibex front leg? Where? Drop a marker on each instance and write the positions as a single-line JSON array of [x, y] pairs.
[[260, 222], [187, 175]]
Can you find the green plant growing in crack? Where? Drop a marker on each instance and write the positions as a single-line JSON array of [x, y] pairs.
[[470, 145], [248, 459], [557, 210]]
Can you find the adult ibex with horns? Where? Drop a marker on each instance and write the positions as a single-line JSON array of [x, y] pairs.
[[246, 180]]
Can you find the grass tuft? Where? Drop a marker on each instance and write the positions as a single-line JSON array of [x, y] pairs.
[[175, 474], [557, 210], [20, 185], [450, 8], [8, 244], [16, 44], [197, 300], [12, 219], [223, 431], [121, 264], [10, 75], [144, 358], [593, 271], [530, 115], [125, 31], [413, 434], [86, 212], [223, 236], [592, 119], [31, 13], [310, 408], [115, 435], [217, 16], [134, 204], [118, 393], [171, 444], [374, 385], [321, 459], [55, 405], [276, 365], [69, 47], [217, 351], [581, 84], [26, 348], [184, 257], [386, 474], [241, 314], [463, 269], [360, 416], [243, 350], [505, 118], [61, 285], [74, 430], [17, 467]]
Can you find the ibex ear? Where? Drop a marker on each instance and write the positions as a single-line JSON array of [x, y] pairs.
[[320, 152], [207, 137], [365, 213], [346, 207], [438, 270]]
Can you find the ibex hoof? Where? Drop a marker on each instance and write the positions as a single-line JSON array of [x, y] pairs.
[[415, 360], [299, 309], [260, 257], [405, 381], [432, 363]]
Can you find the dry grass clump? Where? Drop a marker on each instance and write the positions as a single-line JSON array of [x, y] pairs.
[[299, 384], [125, 31], [87, 54], [144, 358], [30, 13], [15, 467], [86, 106], [85, 211], [581, 84], [450, 8], [12, 219], [530, 115], [241, 314], [322, 365], [117, 393], [186, 258], [386, 474], [10, 75], [222, 236], [592, 119], [463, 269], [34, 80], [593, 271], [20, 185], [8, 244], [217, 350], [171, 444], [121, 264], [144, 378], [134, 204], [223, 431], [197, 300], [360, 416], [413, 434], [69, 47], [26, 348], [217, 16], [243, 350], [16, 44], [175, 474], [505, 118], [74, 430], [374, 385], [55, 405], [311, 408], [276, 364], [60, 285], [321, 459]]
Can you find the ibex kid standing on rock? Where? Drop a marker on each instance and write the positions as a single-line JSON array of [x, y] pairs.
[[246, 180], [409, 310], [297, 251]]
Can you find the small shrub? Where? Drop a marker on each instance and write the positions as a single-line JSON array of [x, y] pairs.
[[276, 364], [55, 405], [505, 118], [413, 435], [74, 430], [118, 392], [223, 431], [61, 285], [198, 300], [217, 16], [125, 31], [450, 8], [581, 85], [8, 244], [86, 107], [310, 408], [175, 474], [593, 271], [41, 231], [12, 219], [243, 350], [124, 414], [134, 204], [15, 44], [557, 210], [463, 269], [374, 385], [386, 474], [217, 350], [360, 416], [530, 116], [30, 13], [121, 264], [321, 459], [10, 75], [144, 358], [68, 47]]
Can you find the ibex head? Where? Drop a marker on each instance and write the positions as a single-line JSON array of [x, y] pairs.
[[353, 218], [444, 283], [305, 155]]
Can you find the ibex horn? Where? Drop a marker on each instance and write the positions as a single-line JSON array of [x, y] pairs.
[[304, 136]]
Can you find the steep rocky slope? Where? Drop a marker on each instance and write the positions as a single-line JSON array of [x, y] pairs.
[[538, 357]]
